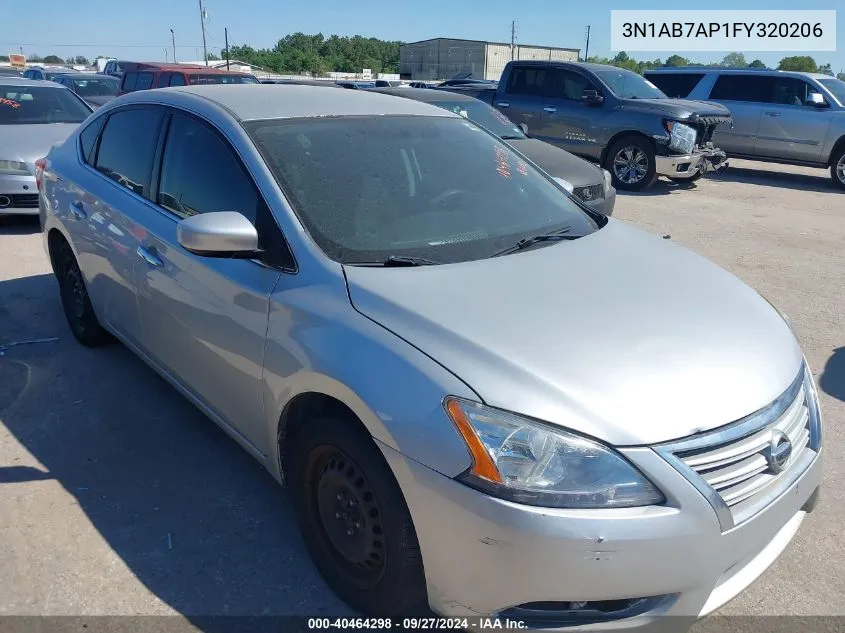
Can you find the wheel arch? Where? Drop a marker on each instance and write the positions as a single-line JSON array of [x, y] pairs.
[[838, 146], [620, 135]]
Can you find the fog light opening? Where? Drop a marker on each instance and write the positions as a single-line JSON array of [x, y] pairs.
[[561, 613]]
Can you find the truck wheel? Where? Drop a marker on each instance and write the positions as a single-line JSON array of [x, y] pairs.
[[837, 167], [354, 519], [630, 161]]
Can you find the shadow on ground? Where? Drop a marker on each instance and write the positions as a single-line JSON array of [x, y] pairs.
[[19, 224], [662, 187], [832, 379], [773, 176], [196, 519]]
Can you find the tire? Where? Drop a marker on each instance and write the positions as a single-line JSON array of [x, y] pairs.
[[682, 181], [76, 303], [354, 519], [634, 152], [837, 167]]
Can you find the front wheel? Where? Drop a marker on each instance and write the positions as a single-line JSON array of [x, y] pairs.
[[631, 163], [837, 167], [354, 519]]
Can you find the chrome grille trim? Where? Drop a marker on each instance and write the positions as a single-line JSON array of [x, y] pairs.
[[730, 466]]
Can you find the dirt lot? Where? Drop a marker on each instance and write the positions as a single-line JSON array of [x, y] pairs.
[[118, 497]]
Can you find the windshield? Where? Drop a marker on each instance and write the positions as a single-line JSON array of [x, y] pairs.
[[628, 85], [367, 188], [482, 114], [221, 79], [836, 87], [95, 87], [24, 105]]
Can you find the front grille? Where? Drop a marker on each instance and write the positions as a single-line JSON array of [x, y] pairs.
[[742, 468], [24, 200], [589, 193]]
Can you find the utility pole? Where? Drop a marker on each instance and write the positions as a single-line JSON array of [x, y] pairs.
[[202, 24], [173, 39], [587, 50], [226, 34], [513, 37]]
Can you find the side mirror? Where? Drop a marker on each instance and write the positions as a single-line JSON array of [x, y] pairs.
[[816, 100], [592, 97], [219, 234], [524, 128]]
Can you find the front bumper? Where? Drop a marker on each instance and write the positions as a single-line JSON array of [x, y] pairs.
[[18, 195], [483, 556], [689, 165]]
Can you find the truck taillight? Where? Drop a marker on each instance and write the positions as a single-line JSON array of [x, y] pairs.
[[40, 164]]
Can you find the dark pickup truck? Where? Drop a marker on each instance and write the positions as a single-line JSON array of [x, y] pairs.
[[612, 116]]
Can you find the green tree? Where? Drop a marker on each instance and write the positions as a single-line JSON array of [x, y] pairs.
[[802, 63], [825, 69], [35, 59], [676, 60], [734, 60], [840, 76], [757, 64], [53, 59], [4, 58], [81, 60], [212, 57]]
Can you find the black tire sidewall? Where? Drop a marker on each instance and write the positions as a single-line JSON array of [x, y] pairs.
[[833, 163], [651, 172], [86, 328], [401, 588]]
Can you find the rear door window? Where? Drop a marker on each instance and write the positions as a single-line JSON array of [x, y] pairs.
[[88, 139], [526, 81], [177, 79], [127, 146], [677, 85], [145, 81], [736, 87], [129, 81]]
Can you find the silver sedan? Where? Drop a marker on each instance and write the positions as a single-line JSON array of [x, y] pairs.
[[486, 399], [33, 116]]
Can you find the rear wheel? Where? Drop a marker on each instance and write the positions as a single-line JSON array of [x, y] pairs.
[[76, 303], [837, 167], [631, 163], [354, 519]]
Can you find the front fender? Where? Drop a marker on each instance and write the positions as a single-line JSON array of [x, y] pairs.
[[318, 343]]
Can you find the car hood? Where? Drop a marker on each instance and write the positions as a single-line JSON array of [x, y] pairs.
[[96, 102], [559, 163], [679, 109], [28, 143], [618, 335]]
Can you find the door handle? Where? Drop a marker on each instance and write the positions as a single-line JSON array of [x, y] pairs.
[[77, 210], [772, 113], [149, 255], [549, 109], [503, 104]]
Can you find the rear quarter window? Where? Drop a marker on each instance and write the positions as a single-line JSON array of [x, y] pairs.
[[677, 85]]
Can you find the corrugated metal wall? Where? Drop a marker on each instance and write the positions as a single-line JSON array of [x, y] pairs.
[[445, 58]]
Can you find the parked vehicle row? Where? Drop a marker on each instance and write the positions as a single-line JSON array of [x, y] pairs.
[[778, 116], [412, 327], [611, 116]]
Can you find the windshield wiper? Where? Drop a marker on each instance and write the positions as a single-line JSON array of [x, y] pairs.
[[525, 242], [396, 261]]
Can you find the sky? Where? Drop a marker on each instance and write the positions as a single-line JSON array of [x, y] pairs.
[[140, 30]]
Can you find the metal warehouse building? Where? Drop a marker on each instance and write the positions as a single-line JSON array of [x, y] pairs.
[[442, 58]]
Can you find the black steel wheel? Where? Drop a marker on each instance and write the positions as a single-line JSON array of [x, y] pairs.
[[77, 304], [354, 519]]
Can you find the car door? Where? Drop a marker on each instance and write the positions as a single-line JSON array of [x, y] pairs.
[[566, 120], [791, 128], [104, 210], [744, 95], [205, 319], [522, 97]]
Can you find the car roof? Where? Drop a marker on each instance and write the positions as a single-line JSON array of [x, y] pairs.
[[33, 83], [587, 65], [250, 102], [78, 75], [425, 95], [734, 71], [163, 66]]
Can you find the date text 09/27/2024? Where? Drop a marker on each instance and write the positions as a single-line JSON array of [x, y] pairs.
[[417, 624]]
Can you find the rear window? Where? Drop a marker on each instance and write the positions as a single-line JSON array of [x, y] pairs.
[[92, 86], [736, 87], [200, 79], [137, 81], [677, 85], [25, 105]]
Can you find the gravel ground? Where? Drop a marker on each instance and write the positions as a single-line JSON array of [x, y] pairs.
[[118, 497]]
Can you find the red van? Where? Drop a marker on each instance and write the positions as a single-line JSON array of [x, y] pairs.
[[147, 75]]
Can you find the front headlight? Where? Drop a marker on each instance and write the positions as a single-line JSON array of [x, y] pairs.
[[14, 168], [529, 462], [608, 180]]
